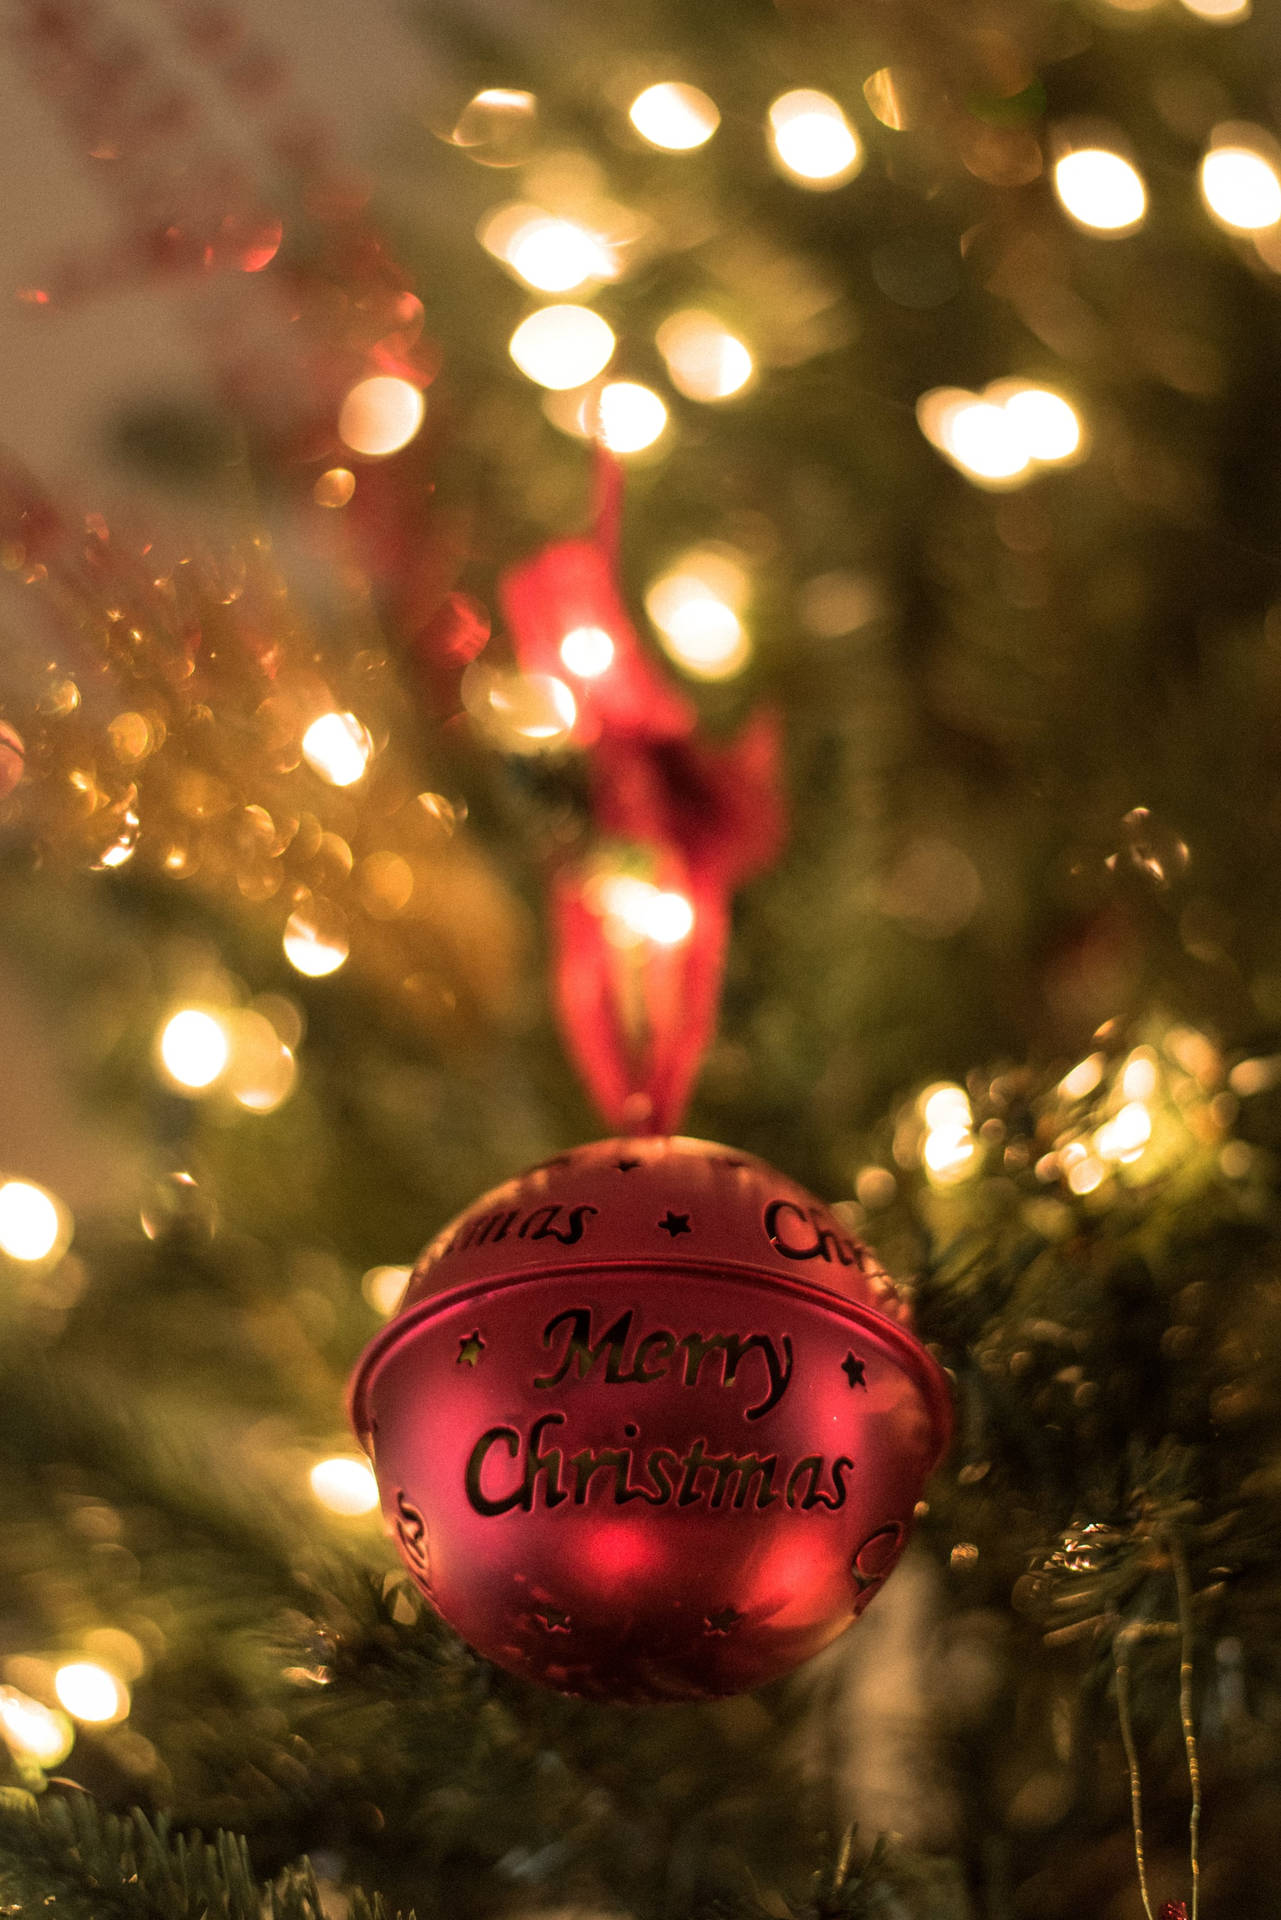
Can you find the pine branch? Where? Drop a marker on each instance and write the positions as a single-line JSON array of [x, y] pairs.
[[98, 1866]]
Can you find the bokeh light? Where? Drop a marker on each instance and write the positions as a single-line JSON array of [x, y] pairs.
[[338, 748], [194, 1049], [33, 1731], [695, 608], [497, 126], [344, 1485], [1100, 190], [812, 139], [520, 712], [984, 442], [704, 359], [262, 1070], [1221, 12], [674, 116], [636, 910], [945, 1105], [587, 652], [89, 1692], [1241, 188], [999, 437], [32, 1224], [549, 253], [1047, 424], [384, 1288], [632, 417], [380, 415], [315, 939], [1125, 1135], [562, 346], [335, 487]]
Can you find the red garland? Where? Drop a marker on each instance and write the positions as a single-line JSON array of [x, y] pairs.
[[693, 819]]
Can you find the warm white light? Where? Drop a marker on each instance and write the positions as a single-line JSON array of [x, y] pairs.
[[1138, 1081], [194, 1048], [949, 1154], [631, 416], [636, 910], [812, 139], [945, 1106], [380, 415], [344, 1485], [1100, 190], [384, 1287], [1083, 1078], [537, 706], [1241, 189], [550, 254], [1085, 1174], [338, 748], [1126, 1134], [314, 941], [674, 116], [262, 1069], [699, 630], [705, 360], [34, 1731], [562, 346], [587, 651], [1222, 12], [89, 1692], [983, 441], [1048, 427]]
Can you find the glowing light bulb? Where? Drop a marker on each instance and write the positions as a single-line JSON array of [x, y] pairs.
[[1083, 1078], [812, 139], [34, 1731], [674, 116], [704, 359], [315, 939], [562, 346], [90, 1693], [344, 1485], [1048, 426], [1125, 1135], [636, 910], [1241, 188], [384, 1287], [631, 416], [194, 1049], [335, 487], [587, 652], [698, 628], [338, 748], [949, 1154], [945, 1106], [984, 443], [380, 415], [557, 256], [1100, 190]]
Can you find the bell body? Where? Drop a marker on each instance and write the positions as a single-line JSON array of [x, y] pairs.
[[649, 1424]]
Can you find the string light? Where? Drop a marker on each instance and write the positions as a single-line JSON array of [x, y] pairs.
[[1125, 1135], [695, 609], [949, 1154], [945, 1105], [90, 1693], [549, 253], [380, 415], [497, 126], [521, 712], [344, 1485], [1221, 12], [338, 748], [384, 1288], [631, 417], [315, 939], [1047, 425], [674, 116], [1100, 190], [635, 910], [587, 652], [704, 359], [1241, 188], [194, 1049], [335, 487], [562, 346], [1001, 436], [33, 1731], [812, 139], [1083, 1078]]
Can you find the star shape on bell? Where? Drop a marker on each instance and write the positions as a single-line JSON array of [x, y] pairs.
[[721, 1619], [854, 1371], [675, 1223], [554, 1619], [470, 1350]]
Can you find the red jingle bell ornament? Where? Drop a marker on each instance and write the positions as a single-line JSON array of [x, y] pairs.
[[649, 1424]]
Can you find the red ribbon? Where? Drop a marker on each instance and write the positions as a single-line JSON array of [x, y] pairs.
[[678, 820]]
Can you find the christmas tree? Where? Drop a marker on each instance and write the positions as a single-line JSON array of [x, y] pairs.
[[727, 583]]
